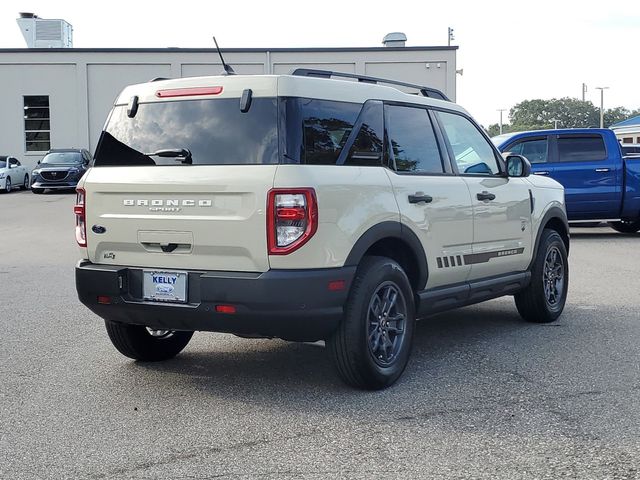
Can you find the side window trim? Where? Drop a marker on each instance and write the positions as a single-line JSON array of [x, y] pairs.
[[496, 153], [445, 161]]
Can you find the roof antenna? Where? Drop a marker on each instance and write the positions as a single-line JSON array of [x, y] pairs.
[[227, 68]]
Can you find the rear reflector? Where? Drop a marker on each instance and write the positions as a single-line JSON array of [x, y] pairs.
[[337, 285], [225, 309], [104, 300], [189, 92]]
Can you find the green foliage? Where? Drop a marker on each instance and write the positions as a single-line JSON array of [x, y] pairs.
[[540, 114]]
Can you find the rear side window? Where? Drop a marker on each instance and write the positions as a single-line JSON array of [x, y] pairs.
[[326, 127], [413, 141], [583, 148], [535, 150], [208, 132]]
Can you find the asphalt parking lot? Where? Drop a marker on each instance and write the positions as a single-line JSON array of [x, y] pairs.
[[486, 395]]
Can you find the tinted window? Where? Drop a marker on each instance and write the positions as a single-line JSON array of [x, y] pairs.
[[326, 128], [37, 123], [3, 164], [59, 158], [581, 148], [367, 145], [535, 150], [413, 142], [213, 131], [472, 152]]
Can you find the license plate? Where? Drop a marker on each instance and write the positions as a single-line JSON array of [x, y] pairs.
[[163, 286]]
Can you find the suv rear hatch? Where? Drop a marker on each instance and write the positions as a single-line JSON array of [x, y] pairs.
[[181, 176]]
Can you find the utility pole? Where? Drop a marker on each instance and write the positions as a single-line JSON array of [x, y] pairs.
[[584, 90], [501, 110], [602, 89], [450, 36]]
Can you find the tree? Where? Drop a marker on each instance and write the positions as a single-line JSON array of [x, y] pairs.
[[569, 113]]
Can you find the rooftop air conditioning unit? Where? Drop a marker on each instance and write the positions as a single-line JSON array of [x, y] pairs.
[[44, 33]]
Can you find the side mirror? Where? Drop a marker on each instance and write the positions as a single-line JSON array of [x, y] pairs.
[[518, 166]]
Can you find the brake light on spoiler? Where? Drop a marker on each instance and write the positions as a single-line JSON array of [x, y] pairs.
[[188, 92]]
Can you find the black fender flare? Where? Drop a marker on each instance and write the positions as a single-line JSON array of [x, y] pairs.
[[552, 213], [396, 230]]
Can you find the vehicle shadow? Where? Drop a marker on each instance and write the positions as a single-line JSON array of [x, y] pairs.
[[301, 376], [586, 235]]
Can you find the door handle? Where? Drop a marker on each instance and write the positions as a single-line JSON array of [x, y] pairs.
[[602, 170], [420, 197], [544, 172], [486, 196]]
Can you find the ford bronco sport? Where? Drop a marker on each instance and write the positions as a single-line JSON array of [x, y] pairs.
[[306, 207]]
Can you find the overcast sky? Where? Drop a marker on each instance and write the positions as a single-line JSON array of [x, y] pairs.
[[510, 50]]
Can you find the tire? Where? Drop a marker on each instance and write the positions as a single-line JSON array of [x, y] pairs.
[[25, 183], [7, 185], [37, 190], [626, 226], [544, 299], [135, 341], [369, 352]]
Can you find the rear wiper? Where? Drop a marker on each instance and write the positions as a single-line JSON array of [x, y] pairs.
[[182, 153]]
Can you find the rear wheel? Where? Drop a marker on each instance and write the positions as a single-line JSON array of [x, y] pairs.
[[25, 183], [626, 226], [7, 185], [371, 347], [543, 300], [142, 343]]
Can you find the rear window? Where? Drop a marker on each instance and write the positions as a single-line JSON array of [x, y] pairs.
[[582, 148], [212, 132]]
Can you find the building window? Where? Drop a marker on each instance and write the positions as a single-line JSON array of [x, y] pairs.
[[627, 140], [37, 124]]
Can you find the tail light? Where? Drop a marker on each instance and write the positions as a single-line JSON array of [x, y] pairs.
[[80, 213], [292, 219]]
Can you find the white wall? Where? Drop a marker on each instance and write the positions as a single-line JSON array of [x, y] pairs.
[[82, 84]]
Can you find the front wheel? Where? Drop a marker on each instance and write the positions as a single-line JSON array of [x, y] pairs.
[[543, 300], [142, 343], [626, 226], [371, 347]]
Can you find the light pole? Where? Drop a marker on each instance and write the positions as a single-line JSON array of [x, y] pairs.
[[555, 123], [602, 89], [501, 110]]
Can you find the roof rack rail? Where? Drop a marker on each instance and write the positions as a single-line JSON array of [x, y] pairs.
[[424, 91]]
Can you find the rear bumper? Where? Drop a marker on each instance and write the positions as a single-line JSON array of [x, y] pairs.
[[290, 304]]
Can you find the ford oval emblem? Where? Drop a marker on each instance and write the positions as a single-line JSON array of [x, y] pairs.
[[98, 229]]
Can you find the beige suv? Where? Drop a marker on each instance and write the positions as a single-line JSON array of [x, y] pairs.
[[307, 208]]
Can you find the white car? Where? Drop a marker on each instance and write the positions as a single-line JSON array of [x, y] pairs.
[[307, 208], [12, 174]]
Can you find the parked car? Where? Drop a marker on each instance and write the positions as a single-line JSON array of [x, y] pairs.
[[307, 208], [600, 184], [12, 174], [60, 169]]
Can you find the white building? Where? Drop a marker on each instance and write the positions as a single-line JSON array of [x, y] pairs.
[[60, 98]]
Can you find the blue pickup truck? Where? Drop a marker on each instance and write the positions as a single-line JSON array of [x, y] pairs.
[[600, 183]]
